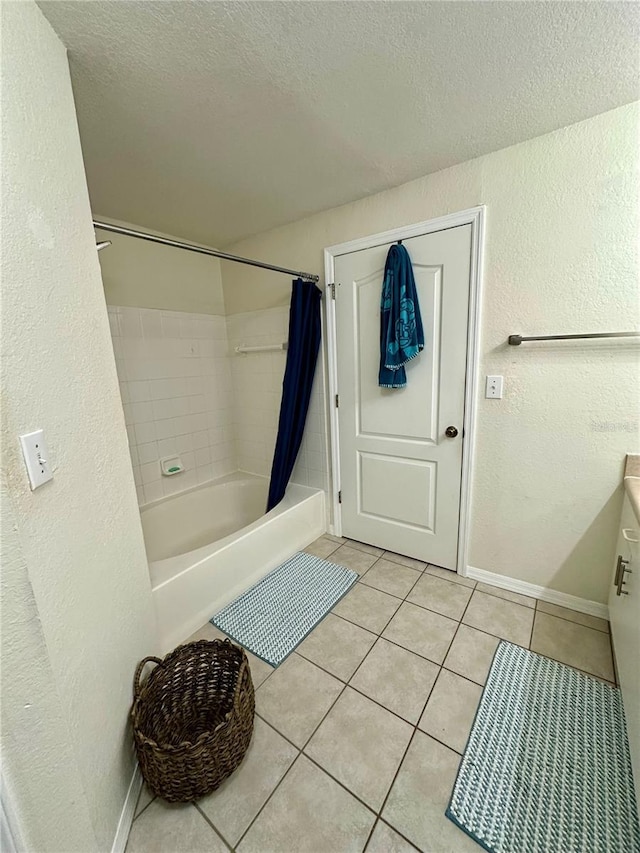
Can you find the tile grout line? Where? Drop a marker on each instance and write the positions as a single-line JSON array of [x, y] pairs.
[[488, 591], [213, 827], [399, 645], [346, 684], [409, 651], [397, 831], [354, 543], [473, 627], [414, 725], [386, 625], [416, 729], [300, 749], [573, 622], [370, 836], [533, 627], [395, 775], [364, 583], [263, 806], [146, 807]]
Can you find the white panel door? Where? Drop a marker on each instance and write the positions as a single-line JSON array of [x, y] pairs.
[[399, 471]]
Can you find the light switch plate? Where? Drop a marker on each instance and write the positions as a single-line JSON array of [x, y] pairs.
[[36, 458], [493, 390]]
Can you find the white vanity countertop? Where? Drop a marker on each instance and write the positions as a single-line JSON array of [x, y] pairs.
[[632, 481]]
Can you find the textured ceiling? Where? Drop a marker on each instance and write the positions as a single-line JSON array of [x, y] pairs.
[[215, 120]]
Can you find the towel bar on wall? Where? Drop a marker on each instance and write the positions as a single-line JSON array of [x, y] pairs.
[[516, 340], [265, 348]]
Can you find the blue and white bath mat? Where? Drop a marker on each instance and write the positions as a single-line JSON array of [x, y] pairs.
[[547, 766], [276, 614]]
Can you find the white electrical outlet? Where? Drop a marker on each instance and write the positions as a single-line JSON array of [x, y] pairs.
[[493, 390], [36, 458]]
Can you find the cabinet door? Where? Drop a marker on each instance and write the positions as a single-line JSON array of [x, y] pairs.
[[624, 615]]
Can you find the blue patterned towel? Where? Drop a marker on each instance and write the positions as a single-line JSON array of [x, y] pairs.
[[401, 333]]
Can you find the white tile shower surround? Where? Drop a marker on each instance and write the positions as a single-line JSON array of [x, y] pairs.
[[257, 391], [358, 735], [175, 381]]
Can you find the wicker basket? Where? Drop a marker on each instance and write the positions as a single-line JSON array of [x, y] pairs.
[[193, 718]]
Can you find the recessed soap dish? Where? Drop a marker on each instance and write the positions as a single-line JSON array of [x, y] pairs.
[[171, 465]]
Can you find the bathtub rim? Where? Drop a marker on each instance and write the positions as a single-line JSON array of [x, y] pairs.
[[165, 571]]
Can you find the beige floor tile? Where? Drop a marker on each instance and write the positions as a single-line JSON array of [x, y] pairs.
[[260, 670], [581, 647], [507, 595], [391, 577], [452, 577], [164, 828], [397, 679], [361, 745], [367, 607], [419, 796], [410, 562], [296, 698], [144, 799], [573, 616], [386, 840], [322, 547], [448, 599], [363, 546], [309, 813], [339, 539], [501, 618], [206, 632], [471, 653], [421, 631], [354, 559], [238, 800], [451, 710], [337, 646]]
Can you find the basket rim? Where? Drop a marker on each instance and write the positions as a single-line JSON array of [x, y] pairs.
[[144, 740]]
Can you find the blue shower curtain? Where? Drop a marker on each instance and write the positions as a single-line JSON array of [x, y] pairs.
[[302, 355]]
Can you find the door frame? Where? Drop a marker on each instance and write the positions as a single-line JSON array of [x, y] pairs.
[[474, 216]]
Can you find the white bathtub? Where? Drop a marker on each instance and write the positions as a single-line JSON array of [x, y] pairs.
[[208, 544]]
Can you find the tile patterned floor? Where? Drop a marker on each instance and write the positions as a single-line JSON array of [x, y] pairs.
[[359, 733]]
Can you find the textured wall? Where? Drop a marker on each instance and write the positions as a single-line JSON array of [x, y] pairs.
[[561, 256], [40, 767], [149, 275], [77, 541]]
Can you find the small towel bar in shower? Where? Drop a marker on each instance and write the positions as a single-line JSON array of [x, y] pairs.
[[265, 348], [516, 340]]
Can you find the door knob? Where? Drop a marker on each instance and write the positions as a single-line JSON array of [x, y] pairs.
[[451, 432]]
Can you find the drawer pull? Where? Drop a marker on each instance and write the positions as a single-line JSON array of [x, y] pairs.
[[619, 569], [621, 580], [626, 533]]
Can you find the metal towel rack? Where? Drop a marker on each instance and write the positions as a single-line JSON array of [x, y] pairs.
[[266, 348], [516, 340]]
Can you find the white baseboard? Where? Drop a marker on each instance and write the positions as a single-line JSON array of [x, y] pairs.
[[563, 599], [128, 811]]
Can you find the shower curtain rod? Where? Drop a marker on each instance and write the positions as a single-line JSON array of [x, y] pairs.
[[203, 250]]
